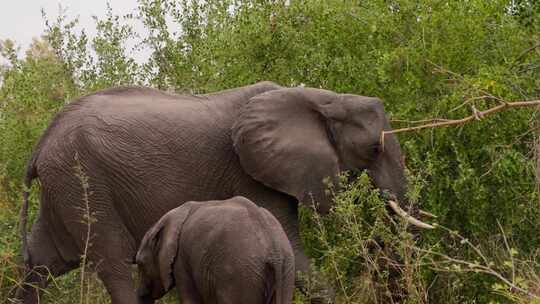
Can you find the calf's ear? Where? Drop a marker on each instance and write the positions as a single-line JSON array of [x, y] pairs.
[[159, 246]]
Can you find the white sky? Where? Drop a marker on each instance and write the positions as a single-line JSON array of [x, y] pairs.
[[21, 20]]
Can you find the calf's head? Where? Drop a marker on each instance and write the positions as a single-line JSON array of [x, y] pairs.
[[157, 254]]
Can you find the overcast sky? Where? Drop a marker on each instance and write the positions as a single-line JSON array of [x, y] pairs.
[[21, 20]]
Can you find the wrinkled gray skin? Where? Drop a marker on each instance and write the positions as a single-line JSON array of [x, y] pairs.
[[217, 252], [144, 151]]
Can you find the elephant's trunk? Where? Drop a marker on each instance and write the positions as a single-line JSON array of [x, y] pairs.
[[387, 173]]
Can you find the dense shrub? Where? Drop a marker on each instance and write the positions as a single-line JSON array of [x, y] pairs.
[[423, 58]]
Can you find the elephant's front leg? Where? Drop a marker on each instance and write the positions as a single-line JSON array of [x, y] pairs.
[[321, 293], [285, 208], [287, 214]]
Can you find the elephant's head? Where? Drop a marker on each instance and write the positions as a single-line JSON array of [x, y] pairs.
[[157, 254], [295, 138]]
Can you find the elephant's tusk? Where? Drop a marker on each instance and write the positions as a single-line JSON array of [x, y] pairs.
[[428, 214], [411, 220]]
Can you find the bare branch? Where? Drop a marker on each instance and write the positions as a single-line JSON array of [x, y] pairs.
[[453, 122], [420, 121]]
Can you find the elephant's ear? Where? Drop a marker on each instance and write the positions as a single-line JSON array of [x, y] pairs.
[[282, 140], [159, 246]]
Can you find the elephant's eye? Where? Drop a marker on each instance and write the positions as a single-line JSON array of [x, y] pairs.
[[376, 149]]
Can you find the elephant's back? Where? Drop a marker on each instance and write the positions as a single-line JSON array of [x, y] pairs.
[[132, 105], [136, 116]]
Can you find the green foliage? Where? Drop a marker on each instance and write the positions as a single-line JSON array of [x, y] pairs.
[[423, 58], [358, 208], [356, 242]]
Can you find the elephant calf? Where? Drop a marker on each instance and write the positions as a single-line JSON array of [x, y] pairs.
[[229, 251]]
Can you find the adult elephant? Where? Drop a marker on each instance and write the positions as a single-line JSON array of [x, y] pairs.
[[138, 146]]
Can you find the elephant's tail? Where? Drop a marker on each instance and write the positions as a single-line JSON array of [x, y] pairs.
[[31, 173]]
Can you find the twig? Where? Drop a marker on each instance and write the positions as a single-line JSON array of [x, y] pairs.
[[443, 70], [510, 252], [465, 241], [525, 52], [476, 113], [536, 152], [419, 121], [469, 100], [461, 78]]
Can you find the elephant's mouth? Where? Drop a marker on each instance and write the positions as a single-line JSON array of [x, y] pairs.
[[410, 219]]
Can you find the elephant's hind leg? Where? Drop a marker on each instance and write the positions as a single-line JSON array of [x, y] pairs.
[[44, 262], [110, 253], [91, 220]]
